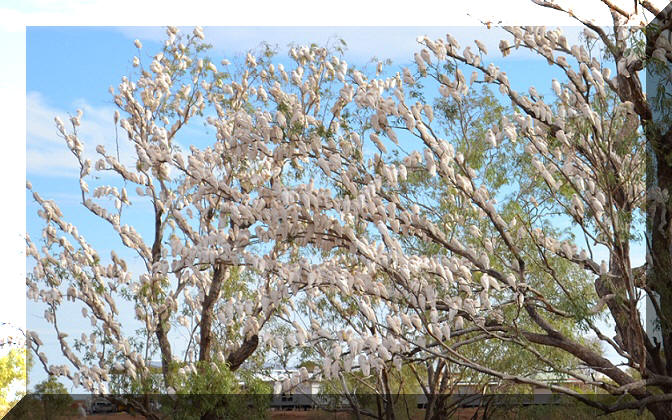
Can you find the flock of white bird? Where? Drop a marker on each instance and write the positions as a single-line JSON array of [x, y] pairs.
[[226, 205]]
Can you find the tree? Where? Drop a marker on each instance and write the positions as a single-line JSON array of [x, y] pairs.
[[12, 369], [584, 157], [289, 194], [220, 244], [465, 122], [223, 239], [54, 398]]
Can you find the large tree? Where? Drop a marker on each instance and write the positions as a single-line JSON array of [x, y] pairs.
[[221, 259], [289, 196], [506, 265]]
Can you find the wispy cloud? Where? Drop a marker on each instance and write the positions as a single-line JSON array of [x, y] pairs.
[[363, 43], [46, 152]]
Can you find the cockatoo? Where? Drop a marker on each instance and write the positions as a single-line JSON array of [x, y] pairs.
[[481, 46]]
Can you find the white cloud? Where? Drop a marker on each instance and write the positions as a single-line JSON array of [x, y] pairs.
[[46, 152], [363, 43]]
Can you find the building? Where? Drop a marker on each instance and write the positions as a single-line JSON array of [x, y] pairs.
[[303, 396]]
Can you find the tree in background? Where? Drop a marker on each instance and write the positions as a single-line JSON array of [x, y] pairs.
[[12, 371], [54, 398]]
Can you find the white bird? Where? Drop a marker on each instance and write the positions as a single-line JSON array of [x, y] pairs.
[[494, 283], [504, 47], [481, 46], [485, 282], [384, 353], [396, 362], [561, 136], [379, 144], [428, 112], [406, 320], [474, 231], [578, 205], [493, 71], [468, 55], [487, 243], [425, 56], [660, 54], [622, 67], [418, 62], [394, 323], [597, 206], [511, 280], [417, 323], [408, 77], [562, 61], [484, 260], [490, 138], [431, 165], [597, 75], [589, 34], [556, 88], [453, 41], [474, 76], [364, 365]]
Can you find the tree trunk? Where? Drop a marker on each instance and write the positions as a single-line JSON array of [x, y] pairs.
[[661, 411], [208, 311], [164, 346], [248, 347]]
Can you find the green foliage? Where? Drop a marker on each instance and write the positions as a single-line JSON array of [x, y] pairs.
[[12, 370], [213, 390], [217, 391], [465, 123], [559, 412], [54, 398]]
